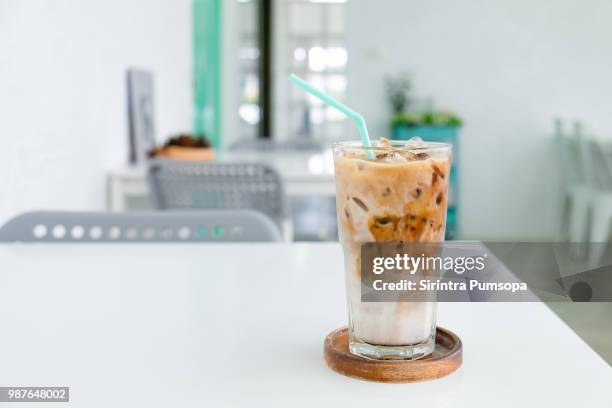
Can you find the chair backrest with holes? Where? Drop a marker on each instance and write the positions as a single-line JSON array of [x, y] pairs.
[[150, 226], [196, 185]]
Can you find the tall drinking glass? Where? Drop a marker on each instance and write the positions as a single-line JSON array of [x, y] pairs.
[[399, 195]]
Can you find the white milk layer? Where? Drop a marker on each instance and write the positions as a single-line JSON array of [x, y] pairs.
[[388, 323]]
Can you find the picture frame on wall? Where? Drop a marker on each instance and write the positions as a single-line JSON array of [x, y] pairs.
[[141, 118]]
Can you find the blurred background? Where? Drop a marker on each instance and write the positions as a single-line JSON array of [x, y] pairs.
[[118, 106], [502, 80]]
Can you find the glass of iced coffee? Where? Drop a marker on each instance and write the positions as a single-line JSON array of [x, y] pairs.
[[396, 193]]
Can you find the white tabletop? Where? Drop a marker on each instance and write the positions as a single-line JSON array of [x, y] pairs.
[[243, 325], [292, 165], [304, 173]]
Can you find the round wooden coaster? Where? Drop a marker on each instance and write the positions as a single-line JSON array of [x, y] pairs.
[[445, 359]]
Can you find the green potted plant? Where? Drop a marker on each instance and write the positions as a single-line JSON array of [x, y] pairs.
[[429, 125], [435, 126]]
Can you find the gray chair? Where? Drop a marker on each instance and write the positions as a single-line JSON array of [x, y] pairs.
[[575, 189], [211, 185], [150, 226]]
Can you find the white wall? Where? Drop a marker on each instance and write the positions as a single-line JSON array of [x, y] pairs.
[[508, 67], [62, 93]]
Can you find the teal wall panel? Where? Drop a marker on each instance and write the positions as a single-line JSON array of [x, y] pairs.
[[207, 39]]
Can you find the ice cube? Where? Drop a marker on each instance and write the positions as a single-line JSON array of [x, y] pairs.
[[383, 141], [395, 157], [415, 143]]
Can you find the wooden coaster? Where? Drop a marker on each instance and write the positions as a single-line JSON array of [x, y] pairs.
[[445, 359]]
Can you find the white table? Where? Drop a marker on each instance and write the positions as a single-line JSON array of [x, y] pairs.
[[243, 325], [304, 174]]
